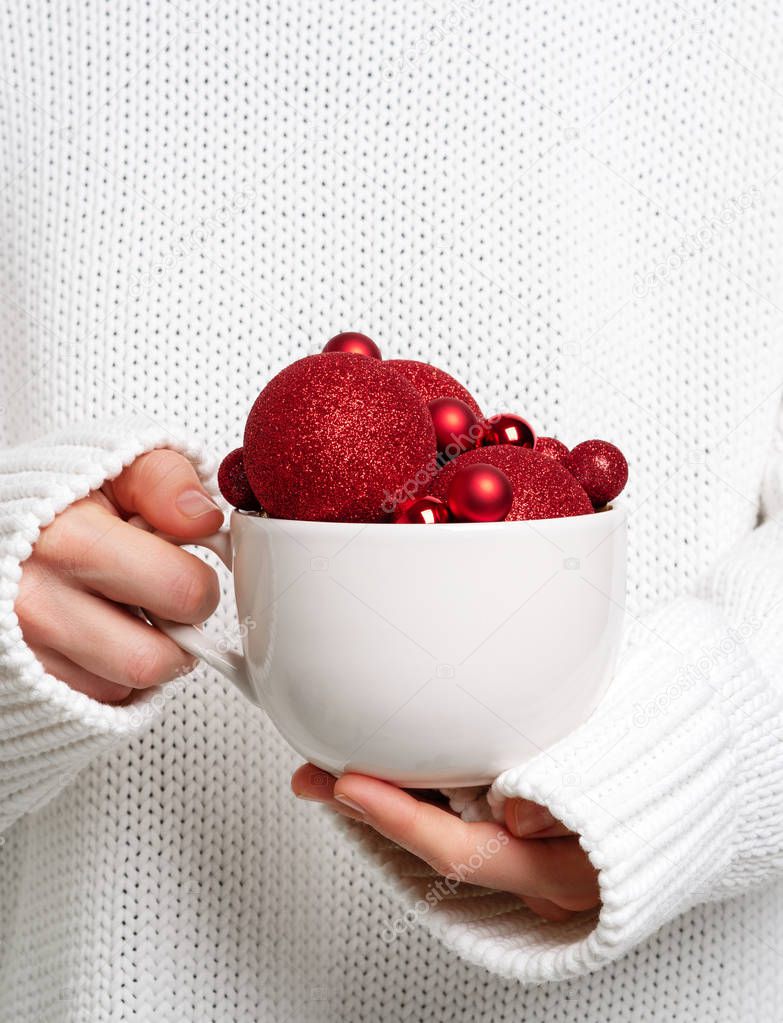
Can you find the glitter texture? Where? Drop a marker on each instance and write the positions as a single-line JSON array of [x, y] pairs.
[[432, 383], [233, 482], [332, 436], [601, 468], [550, 447], [543, 489]]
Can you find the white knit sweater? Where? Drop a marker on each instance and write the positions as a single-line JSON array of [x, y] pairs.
[[575, 208]]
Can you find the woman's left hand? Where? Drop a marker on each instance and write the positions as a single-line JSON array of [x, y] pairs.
[[534, 857]]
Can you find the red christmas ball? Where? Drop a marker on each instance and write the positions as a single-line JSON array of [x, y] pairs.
[[356, 344], [601, 468], [553, 448], [422, 511], [457, 427], [543, 489], [507, 428], [334, 437], [233, 482], [432, 382], [479, 493]]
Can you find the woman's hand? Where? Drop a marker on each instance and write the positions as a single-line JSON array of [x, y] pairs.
[[89, 562], [534, 856]]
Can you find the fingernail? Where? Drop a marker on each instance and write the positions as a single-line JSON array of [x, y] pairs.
[[528, 820], [350, 804], [194, 503], [304, 795], [519, 819]]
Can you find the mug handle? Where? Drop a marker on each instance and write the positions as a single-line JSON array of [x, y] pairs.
[[193, 638]]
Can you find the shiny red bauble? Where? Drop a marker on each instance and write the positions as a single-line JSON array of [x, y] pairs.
[[507, 428], [601, 468], [480, 493], [422, 511], [355, 344], [233, 482], [457, 427], [432, 382], [551, 447], [334, 437], [543, 489]]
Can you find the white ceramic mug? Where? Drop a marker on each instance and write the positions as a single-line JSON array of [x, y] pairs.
[[431, 656]]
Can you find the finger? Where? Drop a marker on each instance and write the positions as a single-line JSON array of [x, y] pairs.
[[526, 819], [310, 782], [100, 637], [78, 678], [100, 551], [481, 853], [547, 910], [130, 566], [163, 487]]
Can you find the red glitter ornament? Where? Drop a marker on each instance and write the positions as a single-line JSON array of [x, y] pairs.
[[457, 427], [356, 344], [422, 511], [553, 448], [480, 493], [543, 489], [332, 436], [233, 482], [432, 382], [601, 468], [507, 428]]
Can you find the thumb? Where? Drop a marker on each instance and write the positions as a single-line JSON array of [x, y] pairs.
[[526, 819], [163, 487]]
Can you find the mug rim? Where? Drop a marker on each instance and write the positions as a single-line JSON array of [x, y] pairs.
[[611, 514]]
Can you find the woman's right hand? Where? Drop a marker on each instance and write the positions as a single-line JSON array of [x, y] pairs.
[[90, 561]]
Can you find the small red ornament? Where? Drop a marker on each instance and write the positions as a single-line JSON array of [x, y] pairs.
[[601, 468], [422, 511], [356, 344], [457, 427], [543, 489], [480, 493], [507, 428], [432, 382], [553, 448], [233, 483]]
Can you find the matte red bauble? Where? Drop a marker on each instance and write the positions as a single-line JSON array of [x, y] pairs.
[[507, 428], [334, 436], [457, 427], [553, 448], [233, 482], [479, 493], [543, 489], [432, 382], [356, 344], [422, 511], [601, 468]]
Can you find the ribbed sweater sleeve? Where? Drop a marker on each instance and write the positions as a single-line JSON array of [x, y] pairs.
[[49, 732], [675, 784]]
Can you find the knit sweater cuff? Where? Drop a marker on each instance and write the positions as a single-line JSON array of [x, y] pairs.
[[673, 785], [49, 732]]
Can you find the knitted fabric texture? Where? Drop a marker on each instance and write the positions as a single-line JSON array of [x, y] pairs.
[[575, 209]]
